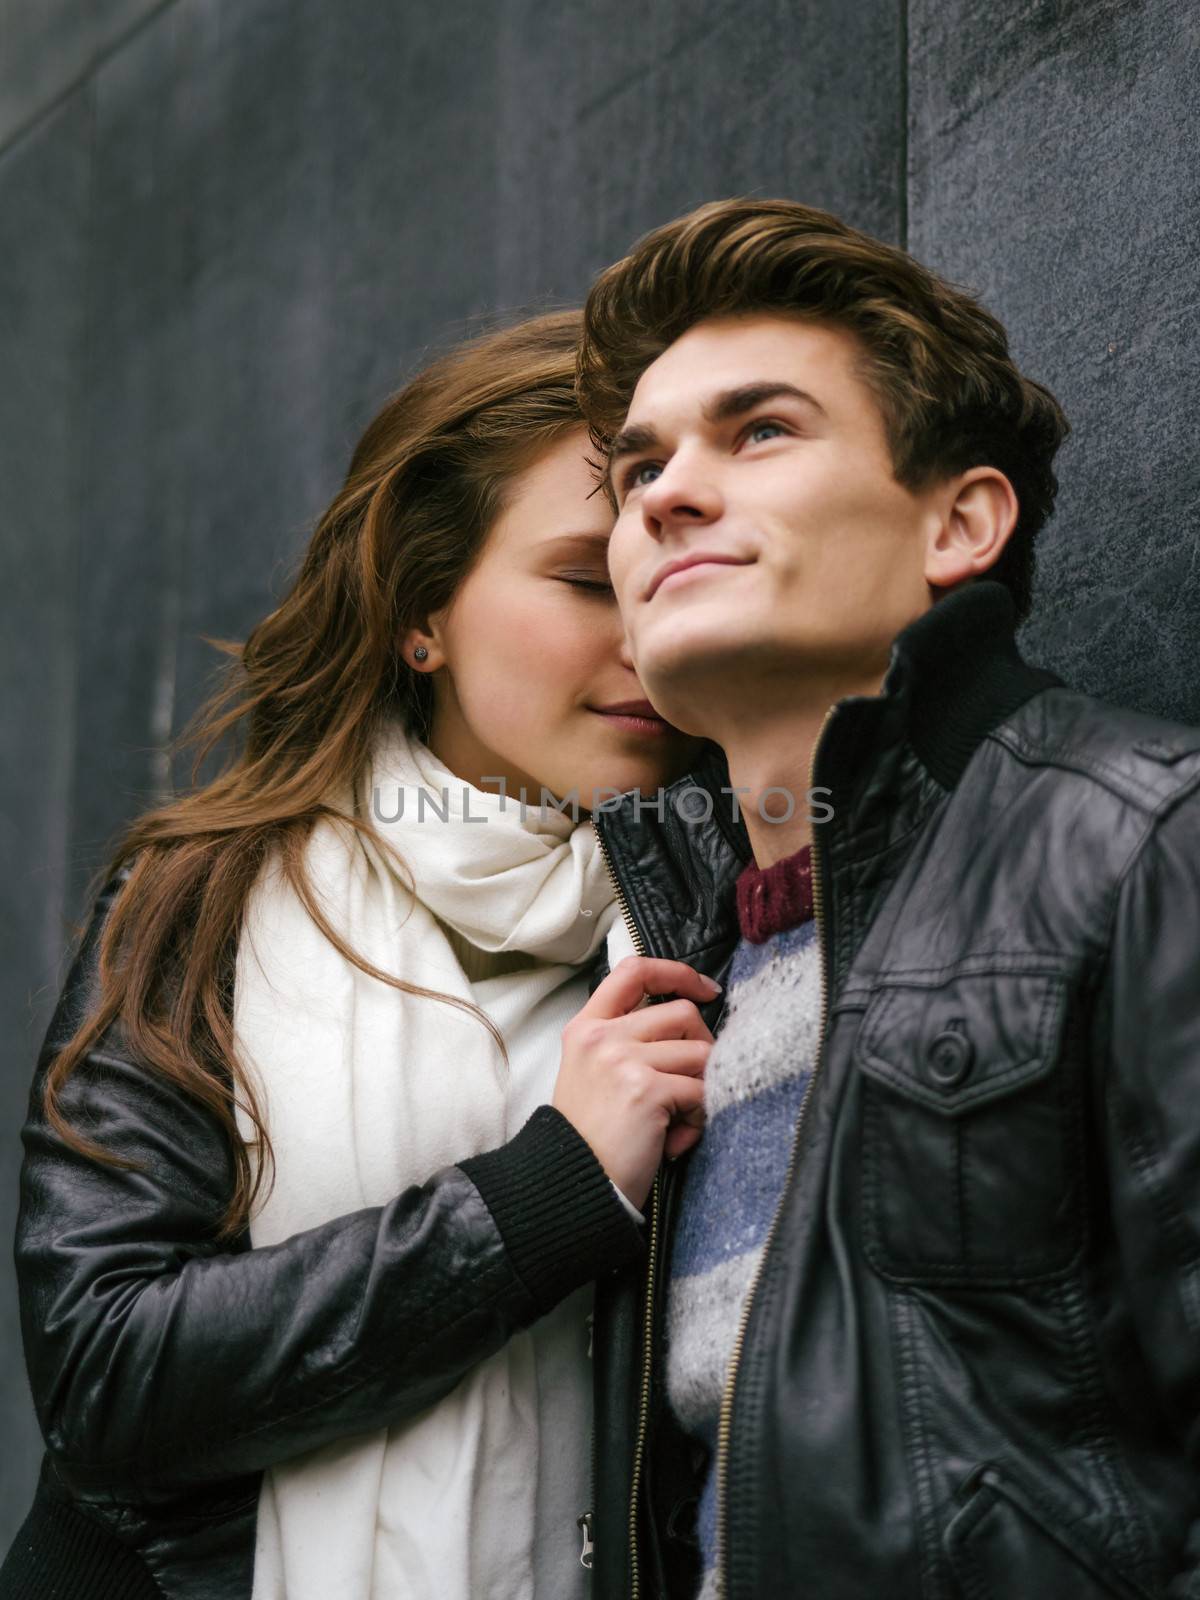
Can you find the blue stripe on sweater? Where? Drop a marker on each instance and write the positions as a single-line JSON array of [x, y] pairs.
[[750, 958], [736, 1175]]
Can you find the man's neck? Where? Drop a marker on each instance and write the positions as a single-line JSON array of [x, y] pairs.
[[770, 760], [769, 773]]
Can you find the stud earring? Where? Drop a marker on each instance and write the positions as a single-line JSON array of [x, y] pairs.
[[420, 653]]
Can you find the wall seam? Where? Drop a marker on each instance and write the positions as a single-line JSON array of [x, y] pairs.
[[103, 55], [902, 176], [71, 911]]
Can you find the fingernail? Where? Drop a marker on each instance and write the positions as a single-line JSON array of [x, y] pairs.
[[713, 984]]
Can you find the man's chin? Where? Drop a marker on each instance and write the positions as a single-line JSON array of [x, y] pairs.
[[675, 698], [681, 671]]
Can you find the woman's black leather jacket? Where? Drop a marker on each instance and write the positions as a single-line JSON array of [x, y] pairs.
[[971, 1363], [169, 1369]]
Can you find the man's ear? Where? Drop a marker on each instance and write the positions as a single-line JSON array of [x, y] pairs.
[[976, 517]]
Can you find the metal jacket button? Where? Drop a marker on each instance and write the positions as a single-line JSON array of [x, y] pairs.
[[949, 1058]]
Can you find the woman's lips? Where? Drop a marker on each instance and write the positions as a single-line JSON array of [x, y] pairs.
[[634, 722]]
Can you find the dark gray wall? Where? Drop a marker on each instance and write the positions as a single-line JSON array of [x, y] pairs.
[[229, 227], [1052, 164]]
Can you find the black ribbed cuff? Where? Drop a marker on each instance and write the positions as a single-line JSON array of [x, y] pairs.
[[561, 1220], [60, 1551]]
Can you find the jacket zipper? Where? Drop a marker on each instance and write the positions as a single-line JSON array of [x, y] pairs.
[[639, 1448], [635, 933], [586, 1522], [643, 1418], [725, 1421]]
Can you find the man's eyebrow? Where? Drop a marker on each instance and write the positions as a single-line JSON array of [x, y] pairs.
[[631, 441], [728, 404], [736, 402], [722, 407]]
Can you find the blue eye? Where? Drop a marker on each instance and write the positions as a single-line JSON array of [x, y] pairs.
[[757, 427], [634, 479]]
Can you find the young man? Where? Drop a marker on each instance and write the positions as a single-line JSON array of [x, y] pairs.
[[922, 1313]]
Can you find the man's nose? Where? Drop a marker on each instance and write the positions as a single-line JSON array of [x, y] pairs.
[[685, 491]]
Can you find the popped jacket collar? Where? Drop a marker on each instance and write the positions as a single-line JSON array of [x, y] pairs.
[[954, 675]]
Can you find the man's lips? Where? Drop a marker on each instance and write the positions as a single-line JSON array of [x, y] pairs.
[[698, 558]]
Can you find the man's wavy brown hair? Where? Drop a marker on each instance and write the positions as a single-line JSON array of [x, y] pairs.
[[937, 362]]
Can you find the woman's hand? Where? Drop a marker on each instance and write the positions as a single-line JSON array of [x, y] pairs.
[[631, 1080]]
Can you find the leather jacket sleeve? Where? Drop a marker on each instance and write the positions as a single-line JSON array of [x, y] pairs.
[[1149, 1008], [161, 1360]]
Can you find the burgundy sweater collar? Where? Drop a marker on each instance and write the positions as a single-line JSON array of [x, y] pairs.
[[770, 899]]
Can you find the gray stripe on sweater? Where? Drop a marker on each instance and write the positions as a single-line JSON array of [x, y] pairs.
[[702, 1320], [770, 1029]]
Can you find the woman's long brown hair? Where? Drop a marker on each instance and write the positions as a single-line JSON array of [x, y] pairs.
[[298, 706]]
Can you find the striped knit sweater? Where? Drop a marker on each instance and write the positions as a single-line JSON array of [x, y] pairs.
[[754, 1082]]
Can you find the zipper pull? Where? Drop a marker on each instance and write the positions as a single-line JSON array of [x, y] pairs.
[[585, 1555]]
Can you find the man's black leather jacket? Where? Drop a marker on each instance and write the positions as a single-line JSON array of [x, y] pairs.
[[971, 1362]]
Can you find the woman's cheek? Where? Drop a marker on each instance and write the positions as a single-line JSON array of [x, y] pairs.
[[559, 629]]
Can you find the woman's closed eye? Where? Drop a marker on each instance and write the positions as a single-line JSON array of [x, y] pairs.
[[588, 581]]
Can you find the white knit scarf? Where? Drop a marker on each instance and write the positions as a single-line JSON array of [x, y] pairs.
[[367, 1090]]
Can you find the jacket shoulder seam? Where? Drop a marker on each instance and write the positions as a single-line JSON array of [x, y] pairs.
[[1120, 781]]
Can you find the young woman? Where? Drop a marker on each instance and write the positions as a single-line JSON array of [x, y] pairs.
[[304, 1252]]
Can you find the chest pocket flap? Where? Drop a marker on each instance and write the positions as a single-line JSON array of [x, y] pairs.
[[970, 1126], [957, 1045]]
